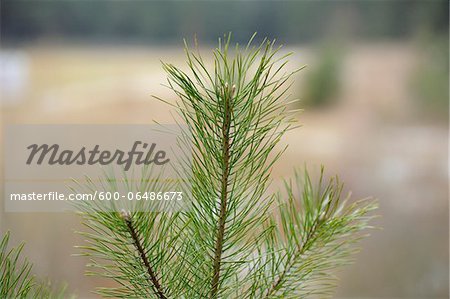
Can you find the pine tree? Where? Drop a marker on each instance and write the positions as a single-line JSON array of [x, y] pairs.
[[235, 240]]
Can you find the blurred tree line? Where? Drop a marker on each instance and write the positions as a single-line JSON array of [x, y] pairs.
[[168, 21]]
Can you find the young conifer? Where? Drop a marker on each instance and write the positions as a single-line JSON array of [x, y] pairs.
[[236, 239]]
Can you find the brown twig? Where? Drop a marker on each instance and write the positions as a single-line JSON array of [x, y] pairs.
[[228, 93], [136, 241]]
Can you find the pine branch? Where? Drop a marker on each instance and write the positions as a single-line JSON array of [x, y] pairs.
[[300, 251], [114, 237], [16, 280], [137, 243], [318, 238]]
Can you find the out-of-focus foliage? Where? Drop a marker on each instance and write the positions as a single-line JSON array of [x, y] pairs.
[[150, 21], [323, 79], [430, 78]]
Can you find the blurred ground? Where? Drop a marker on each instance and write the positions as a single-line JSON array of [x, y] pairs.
[[374, 136]]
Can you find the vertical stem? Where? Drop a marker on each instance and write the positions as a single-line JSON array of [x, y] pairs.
[[224, 191]]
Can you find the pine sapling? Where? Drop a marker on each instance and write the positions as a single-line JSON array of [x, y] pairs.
[[236, 239]]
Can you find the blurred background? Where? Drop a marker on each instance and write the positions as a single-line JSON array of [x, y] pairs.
[[375, 94]]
